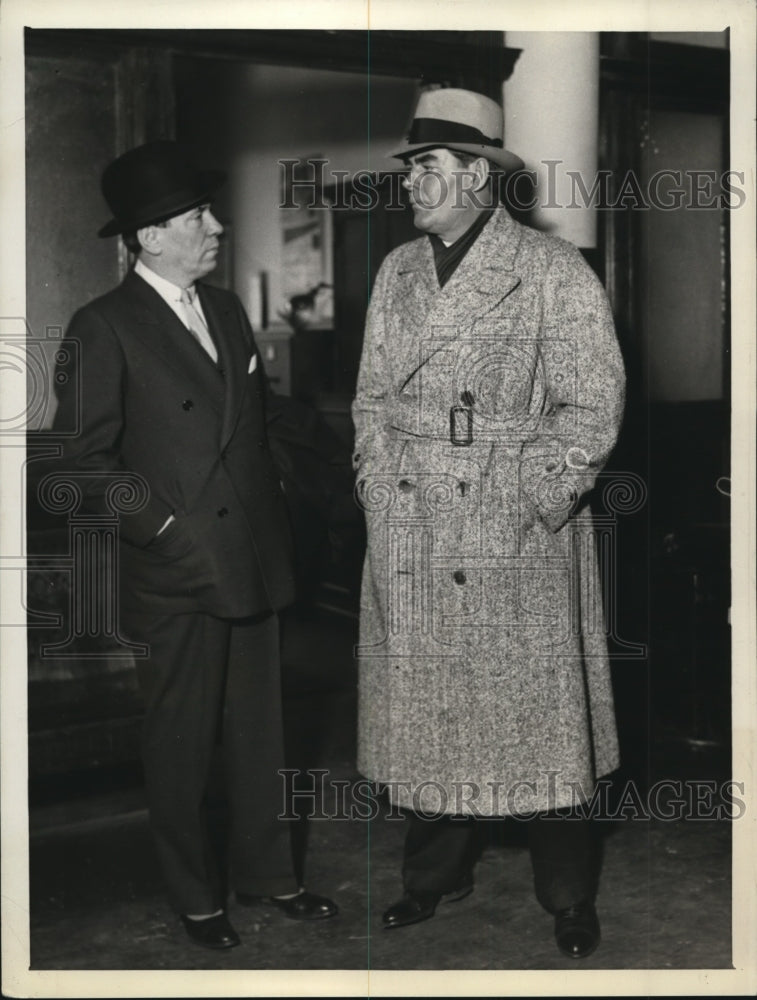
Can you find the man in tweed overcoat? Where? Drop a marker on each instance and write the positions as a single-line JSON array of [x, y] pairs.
[[490, 395]]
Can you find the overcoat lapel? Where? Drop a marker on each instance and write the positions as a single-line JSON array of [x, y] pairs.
[[418, 286], [484, 277]]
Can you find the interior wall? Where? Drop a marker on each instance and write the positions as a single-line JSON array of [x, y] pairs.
[[681, 273], [84, 105], [71, 134], [249, 117]]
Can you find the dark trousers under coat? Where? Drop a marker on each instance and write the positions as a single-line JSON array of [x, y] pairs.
[[440, 852], [206, 676]]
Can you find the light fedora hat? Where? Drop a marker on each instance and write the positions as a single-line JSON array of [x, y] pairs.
[[459, 119]]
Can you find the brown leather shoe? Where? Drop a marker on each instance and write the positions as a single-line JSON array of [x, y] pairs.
[[212, 932], [303, 906]]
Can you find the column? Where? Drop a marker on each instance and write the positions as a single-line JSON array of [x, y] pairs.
[[551, 121]]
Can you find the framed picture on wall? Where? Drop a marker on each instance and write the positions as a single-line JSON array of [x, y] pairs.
[[307, 254]]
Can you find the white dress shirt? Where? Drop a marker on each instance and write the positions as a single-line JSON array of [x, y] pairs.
[[171, 295]]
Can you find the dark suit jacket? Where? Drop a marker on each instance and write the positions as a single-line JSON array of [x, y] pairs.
[[152, 402]]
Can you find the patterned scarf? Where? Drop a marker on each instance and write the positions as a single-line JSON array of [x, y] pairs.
[[447, 259]]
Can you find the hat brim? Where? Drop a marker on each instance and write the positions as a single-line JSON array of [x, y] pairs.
[[502, 157], [208, 182]]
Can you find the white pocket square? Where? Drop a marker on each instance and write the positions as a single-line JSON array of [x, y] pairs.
[[253, 364]]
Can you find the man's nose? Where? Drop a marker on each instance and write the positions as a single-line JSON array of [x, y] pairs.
[[214, 226], [414, 171]]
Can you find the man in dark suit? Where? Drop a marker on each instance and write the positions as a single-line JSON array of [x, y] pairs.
[[171, 390]]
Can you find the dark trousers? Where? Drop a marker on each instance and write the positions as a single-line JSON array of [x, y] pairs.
[[440, 852], [207, 677]]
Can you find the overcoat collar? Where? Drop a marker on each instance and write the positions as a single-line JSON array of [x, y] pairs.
[[484, 277]]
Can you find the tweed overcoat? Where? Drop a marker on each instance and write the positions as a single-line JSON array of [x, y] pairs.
[[193, 433], [484, 412]]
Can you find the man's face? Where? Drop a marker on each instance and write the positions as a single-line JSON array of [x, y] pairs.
[[442, 193], [189, 244]]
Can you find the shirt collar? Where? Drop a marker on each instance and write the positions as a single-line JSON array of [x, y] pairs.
[[166, 289]]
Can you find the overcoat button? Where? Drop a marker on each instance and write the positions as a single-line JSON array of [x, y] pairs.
[[223, 512], [467, 397], [222, 372], [458, 576], [187, 404]]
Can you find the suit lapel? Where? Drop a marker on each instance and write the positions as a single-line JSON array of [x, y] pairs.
[[161, 331], [233, 355]]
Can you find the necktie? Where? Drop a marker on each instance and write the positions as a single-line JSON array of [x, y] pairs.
[[196, 324]]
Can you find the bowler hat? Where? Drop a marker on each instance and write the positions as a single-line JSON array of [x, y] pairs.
[[462, 120], [151, 183]]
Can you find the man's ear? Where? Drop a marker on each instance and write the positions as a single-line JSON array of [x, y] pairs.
[[481, 170], [149, 240]]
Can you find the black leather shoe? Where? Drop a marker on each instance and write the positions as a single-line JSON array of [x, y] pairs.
[[213, 932], [414, 907], [577, 930], [303, 906]]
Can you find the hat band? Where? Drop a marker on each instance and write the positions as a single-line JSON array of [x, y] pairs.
[[440, 132]]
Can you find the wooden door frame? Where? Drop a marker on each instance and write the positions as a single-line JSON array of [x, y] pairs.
[[637, 74]]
